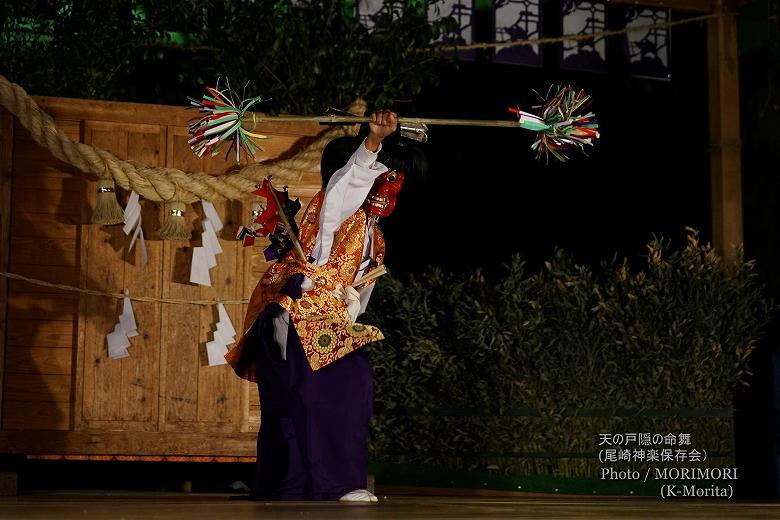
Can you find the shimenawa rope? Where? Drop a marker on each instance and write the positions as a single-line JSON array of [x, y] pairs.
[[161, 184]]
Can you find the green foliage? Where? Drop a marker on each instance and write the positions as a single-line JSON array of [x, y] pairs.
[[675, 335], [305, 56]]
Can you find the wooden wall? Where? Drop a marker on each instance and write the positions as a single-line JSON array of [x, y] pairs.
[[61, 394]]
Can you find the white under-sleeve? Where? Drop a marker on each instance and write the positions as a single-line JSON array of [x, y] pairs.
[[345, 193], [365, 295], [281, 324]]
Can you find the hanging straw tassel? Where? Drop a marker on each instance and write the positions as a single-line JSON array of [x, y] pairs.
[[107, 210], [175, 228]]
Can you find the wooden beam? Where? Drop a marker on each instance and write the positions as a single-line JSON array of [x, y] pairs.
[[725, 143], [127, 443], [6, 169], [123, 112], [693, 6]]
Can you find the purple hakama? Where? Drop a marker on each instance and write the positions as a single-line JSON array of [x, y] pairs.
[[313, 425]]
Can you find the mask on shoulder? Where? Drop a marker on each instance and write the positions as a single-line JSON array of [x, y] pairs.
[[383, 195]]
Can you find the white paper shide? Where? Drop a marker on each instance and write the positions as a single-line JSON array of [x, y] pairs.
[[133, 225], [204, 257], [224, 335], [119, 339]]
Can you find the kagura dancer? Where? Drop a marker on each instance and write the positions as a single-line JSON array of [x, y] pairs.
[[302, 343]]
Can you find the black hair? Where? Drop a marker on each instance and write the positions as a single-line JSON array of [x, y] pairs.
[[406, 155], [397, 153], [335, 155]]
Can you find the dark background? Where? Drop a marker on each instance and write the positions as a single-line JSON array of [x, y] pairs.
[[757, 418], [487, 198]]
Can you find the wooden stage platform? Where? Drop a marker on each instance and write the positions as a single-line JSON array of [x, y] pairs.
[[176, 506]]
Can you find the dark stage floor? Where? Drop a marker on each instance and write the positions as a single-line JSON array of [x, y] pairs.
[[180, 506]]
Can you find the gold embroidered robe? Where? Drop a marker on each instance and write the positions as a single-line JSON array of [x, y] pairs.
[[321, 320]]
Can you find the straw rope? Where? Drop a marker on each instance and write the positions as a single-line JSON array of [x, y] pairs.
[[158, 183], [118, 296], [373, 275], [571, 37]]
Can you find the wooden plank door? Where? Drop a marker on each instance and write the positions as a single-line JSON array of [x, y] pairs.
[[197, 397], [41, 322], [120, 394]]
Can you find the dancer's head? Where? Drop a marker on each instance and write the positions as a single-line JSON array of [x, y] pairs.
[[403, 158]]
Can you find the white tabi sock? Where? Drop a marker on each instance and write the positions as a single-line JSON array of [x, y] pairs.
[[359, 495]]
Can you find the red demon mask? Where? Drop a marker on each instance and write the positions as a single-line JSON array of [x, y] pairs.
[[381, 199]]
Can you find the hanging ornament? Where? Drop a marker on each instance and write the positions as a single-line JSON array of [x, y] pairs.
[[175, 227], [118, 340], [223, 122], [561, 126], [224, 335], [277, 221], [107, 209], [204, 257], [247, 234], [132, 219]]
